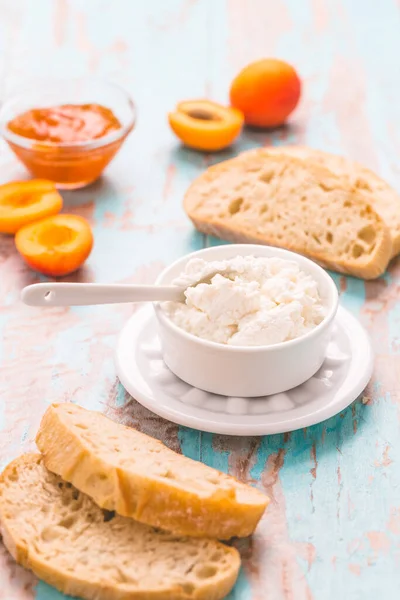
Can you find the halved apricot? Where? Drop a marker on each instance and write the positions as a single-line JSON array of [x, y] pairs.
[[57, 245], [22, 202], [205, 125]]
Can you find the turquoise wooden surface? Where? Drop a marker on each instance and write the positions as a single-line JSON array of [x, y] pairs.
[[333, 527]]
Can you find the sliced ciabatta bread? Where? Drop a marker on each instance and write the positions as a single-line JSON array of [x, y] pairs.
[[137, 476], [284, 201], [382, 197], [61, 535]]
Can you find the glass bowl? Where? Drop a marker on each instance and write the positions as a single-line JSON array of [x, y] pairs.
[[69, 164]]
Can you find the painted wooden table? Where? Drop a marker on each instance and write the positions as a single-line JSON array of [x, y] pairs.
[[333, 527]]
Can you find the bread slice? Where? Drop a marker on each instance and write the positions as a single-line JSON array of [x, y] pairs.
[[382, 197], [139, 477], [284, 201], [61, 535]]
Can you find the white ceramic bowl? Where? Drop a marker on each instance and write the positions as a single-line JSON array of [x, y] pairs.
[[246, 371]]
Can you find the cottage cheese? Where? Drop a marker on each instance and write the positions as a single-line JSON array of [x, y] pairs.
[[251, 301]]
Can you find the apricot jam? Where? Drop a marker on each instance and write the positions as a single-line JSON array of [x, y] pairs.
[[67, 123], [69, 144]]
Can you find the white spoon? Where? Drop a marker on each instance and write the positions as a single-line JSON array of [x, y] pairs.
[[84, 294]]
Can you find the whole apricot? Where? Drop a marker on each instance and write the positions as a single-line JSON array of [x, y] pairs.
[[266, 91]]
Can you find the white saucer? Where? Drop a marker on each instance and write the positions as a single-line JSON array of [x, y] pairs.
[[343, 376]]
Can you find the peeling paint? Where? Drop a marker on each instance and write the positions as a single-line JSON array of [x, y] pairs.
[[333, 527]]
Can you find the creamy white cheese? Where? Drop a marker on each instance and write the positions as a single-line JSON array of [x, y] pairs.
[[251, 301]]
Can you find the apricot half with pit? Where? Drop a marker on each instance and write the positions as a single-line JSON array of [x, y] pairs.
[[206, 125]]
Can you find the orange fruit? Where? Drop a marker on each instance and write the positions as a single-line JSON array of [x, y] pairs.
[[266, 91]]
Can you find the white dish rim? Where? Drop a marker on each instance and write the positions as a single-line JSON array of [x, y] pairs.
[[361, 348]]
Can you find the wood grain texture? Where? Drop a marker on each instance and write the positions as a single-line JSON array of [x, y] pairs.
[[333, 529]]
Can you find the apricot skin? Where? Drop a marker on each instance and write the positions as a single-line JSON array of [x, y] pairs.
[[22, 202], [205, 125], [55, 246], [266, 91]]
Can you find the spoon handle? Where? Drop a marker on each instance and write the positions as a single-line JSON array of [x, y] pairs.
[[84, 294]]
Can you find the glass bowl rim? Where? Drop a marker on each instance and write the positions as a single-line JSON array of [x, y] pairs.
[[29, 143]]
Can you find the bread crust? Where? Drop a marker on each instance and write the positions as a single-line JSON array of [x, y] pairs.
[[225, 509], [237, 230], [68, 582]]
